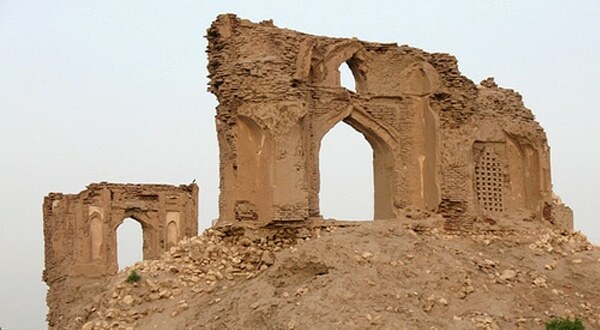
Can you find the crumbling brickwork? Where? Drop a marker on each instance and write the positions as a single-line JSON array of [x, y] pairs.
[[80, 233], [279, 94], [472, 153]]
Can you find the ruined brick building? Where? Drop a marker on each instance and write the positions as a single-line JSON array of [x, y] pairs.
[[80, 233], [441, 144]]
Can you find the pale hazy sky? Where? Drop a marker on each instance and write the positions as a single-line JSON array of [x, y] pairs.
[[116, 91]]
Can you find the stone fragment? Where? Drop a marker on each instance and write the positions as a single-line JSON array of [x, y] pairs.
[[128, 300], [508, 275], [540, 282], [88, 326], [267, 258]]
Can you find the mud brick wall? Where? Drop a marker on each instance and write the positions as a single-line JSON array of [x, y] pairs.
[[279, 94]]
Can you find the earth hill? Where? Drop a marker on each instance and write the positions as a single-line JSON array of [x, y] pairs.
[[348, 275]]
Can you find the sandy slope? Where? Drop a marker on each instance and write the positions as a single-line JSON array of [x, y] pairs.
[[374, 275]]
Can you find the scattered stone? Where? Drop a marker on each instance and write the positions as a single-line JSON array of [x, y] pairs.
[[508, 275], [540, 282], [128, 300]]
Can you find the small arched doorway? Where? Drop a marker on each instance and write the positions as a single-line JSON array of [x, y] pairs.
[[129, 243]]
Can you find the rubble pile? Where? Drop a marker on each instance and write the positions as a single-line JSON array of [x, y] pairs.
[[217, 260], [356, 276], [562, 242]]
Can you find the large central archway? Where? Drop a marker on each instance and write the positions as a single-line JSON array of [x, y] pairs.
[[349, 73], [382, 162], [346, 170]]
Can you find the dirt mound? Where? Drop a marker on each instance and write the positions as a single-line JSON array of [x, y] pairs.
[[353, 276]]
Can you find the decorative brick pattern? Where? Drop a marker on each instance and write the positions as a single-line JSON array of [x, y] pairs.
[[489, 181]]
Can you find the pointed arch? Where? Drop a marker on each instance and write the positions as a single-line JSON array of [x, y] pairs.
[[346, 190], [381, 141], [140, 225], [129, 242], [383, 162]]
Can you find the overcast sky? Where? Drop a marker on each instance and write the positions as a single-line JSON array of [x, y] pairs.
[[116, 91]]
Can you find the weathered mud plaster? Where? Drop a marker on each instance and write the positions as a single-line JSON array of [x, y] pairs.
[[80, 232], [441, 144]]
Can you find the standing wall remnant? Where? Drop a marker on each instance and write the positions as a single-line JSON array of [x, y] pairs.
[[80, 233], [441, 143]]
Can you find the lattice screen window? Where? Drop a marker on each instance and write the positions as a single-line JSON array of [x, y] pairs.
[[489, 181]]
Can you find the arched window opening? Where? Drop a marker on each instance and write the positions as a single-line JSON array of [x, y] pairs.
[[346, 171], [129, 243], [347, 78]]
